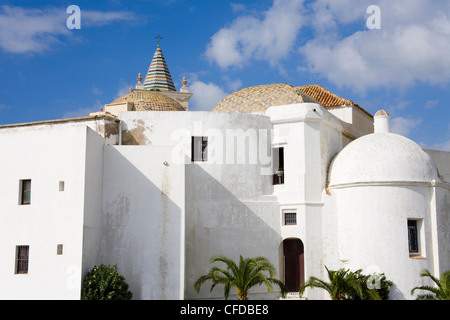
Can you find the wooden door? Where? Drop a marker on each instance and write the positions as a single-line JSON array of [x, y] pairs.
[[294, 275]]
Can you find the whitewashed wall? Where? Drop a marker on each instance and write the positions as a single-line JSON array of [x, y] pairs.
[[372, 233], [46, 155], [143, 219]]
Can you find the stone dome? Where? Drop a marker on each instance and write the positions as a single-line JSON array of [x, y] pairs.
[[382, 157], [148, 100], [259, 98]]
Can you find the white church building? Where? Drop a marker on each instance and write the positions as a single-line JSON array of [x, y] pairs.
[[293, 173]]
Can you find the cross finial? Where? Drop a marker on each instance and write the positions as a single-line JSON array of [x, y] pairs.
[[158, 37]]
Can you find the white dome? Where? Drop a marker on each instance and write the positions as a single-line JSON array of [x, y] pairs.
[[382, 157]]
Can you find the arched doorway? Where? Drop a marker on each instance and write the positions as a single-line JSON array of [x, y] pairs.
[[294, 270]]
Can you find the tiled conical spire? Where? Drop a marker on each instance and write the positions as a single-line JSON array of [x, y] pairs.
[[158, 75]]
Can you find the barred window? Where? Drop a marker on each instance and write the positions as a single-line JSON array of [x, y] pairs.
[[22, 259], [290, 218], [413, 240], [59, 249]]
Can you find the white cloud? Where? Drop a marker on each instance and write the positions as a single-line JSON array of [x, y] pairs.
[[82, 112], [123, 88], [412, 45], [431, 104], [444, 146], [269, 38], [96, 91], [24, 30], [100, 18], [232, 84], [237, 7], [30, 30], [404, 126], [205, 95]]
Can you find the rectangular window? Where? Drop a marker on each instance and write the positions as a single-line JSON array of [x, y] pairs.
[[22, 259], [290, 218], [199, 149], [25, 192], [413, 239], [278, 165], [59, 249], [61, 186]]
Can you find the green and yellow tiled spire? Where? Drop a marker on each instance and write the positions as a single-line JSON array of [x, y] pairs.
[[158, 76]]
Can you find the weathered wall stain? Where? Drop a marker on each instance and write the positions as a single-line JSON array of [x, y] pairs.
[[118, 211], [165, 190], [136, 135]]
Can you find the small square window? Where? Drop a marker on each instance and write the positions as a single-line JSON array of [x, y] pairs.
[[290, 218], [199, 149], [22, 259], [25, 192]]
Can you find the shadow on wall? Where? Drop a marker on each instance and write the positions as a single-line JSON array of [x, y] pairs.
[[232, 217], [395, 293], [142, 221]]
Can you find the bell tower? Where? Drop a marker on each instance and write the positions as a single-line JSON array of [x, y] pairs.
[[158, 78]]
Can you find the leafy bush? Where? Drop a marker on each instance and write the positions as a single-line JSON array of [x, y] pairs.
[[347, 285], [441, 290], [248, 273], [105, 283], [374, 282]]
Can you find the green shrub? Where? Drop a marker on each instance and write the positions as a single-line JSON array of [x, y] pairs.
[[347, 285], [374, 282], [105, 283]]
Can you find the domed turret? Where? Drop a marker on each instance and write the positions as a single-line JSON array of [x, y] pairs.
[[380, 187], [382, 157]]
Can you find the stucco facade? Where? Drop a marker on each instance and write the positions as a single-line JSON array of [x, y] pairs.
[[135, 198], [159, 190]]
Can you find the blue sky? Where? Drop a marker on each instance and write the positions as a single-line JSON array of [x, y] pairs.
[[48, 71]]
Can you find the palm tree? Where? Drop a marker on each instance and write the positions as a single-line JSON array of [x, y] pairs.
[[343, 285], [441, 292], [242, 277]]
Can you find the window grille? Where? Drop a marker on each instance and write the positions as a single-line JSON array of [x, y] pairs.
[[22, 259], [413, 241], [290, 218]]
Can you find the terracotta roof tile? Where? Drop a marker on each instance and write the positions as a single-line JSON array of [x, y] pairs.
[[327, 98], [324, 97]]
